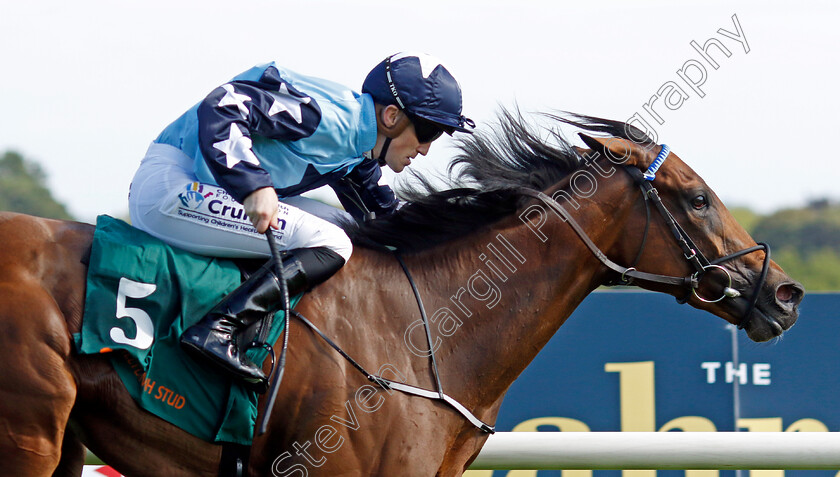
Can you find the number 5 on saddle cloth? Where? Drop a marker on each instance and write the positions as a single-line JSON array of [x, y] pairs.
[[141, 295]]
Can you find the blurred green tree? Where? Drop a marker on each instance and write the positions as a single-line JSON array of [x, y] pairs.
[[23, 188], [805, 242]]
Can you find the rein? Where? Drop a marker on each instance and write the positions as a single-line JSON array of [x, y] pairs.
[[383, 383], [690, 250], [387, 384]]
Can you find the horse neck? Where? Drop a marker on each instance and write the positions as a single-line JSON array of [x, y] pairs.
[[515, 291]]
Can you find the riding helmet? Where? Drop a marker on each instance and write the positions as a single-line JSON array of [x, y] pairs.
[[421, 86]]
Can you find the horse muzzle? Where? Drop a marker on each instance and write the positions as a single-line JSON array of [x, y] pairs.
[[776, 310]]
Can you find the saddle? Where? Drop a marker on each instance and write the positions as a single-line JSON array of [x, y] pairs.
[[141, 295]]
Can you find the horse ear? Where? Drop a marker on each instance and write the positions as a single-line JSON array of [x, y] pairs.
[[581, 151], [593, 143], [619, 151]]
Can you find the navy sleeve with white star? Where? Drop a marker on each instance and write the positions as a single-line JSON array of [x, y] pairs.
[[230, 114], [362, 183]]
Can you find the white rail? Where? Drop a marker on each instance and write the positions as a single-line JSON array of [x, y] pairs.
[[660, 450]]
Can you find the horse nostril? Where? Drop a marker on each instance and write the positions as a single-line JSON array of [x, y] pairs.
[[789, 293]]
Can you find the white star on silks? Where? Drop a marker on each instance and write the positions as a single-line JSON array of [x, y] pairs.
[[237, 148], [231, 97], [428, 63], [284, 101]]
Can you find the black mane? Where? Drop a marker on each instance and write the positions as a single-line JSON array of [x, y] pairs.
[[494, 166]]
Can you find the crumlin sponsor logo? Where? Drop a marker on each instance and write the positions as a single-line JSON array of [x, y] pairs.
[[193, 196]]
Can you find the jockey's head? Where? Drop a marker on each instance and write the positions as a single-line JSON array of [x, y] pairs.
[[414, 89]]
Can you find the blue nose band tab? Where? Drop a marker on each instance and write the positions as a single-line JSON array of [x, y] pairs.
[[650, 173]]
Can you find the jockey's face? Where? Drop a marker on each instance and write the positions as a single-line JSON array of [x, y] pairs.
[[404, 143], [404, 148]]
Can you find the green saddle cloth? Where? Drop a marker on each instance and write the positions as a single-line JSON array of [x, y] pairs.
[[141, 295]]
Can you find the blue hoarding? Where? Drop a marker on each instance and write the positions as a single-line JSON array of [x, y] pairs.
[[637, 361]]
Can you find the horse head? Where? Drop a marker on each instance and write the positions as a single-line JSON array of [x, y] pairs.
[[691, 234]]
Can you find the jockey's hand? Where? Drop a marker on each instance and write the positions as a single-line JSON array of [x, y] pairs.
[[261, 207]]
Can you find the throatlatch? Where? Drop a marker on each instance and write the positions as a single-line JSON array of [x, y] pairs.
[[691, 251]]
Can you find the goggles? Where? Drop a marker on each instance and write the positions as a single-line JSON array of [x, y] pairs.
[[425, 130]]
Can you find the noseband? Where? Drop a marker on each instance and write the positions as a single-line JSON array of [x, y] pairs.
[[691, 252]]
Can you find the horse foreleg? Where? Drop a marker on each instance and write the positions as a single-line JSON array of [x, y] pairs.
[[36, 388], [73, 454]]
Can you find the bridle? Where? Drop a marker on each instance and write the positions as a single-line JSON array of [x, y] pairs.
[[691, 252]]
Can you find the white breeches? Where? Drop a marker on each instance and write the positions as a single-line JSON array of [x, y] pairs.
[[167, 201]]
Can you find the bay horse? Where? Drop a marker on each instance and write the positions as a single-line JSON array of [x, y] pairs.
[[492, 258]]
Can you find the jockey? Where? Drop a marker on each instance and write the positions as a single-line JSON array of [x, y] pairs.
[[235, 164]]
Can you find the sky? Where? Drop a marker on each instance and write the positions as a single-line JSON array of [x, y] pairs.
[[85, 86]]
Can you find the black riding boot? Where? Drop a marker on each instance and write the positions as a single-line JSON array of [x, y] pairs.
[[217, 337]]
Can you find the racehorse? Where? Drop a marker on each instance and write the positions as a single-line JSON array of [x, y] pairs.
[[534, 225]]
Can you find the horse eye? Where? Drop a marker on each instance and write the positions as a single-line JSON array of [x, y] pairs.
[[699, 202]]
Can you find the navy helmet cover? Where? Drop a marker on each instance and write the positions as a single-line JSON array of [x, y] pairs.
[[421, 86]]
